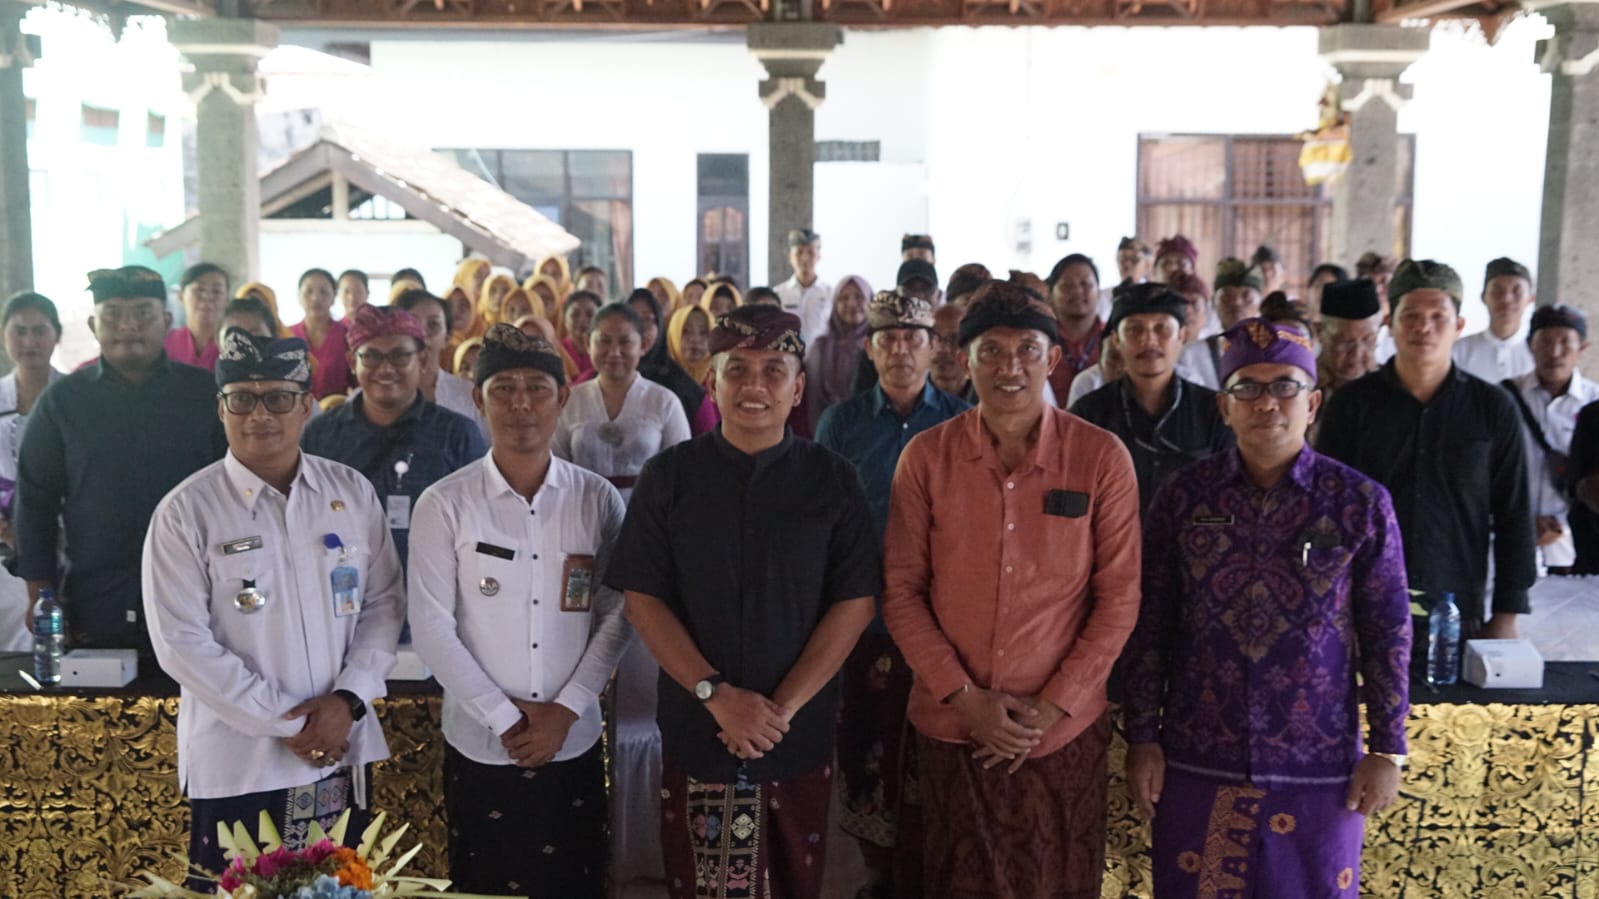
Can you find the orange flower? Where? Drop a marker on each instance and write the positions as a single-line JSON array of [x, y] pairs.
[[352, 871], [356, 874]]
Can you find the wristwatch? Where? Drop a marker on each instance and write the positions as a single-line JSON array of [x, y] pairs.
[[705, 689], [1398, 760], [357, 707]]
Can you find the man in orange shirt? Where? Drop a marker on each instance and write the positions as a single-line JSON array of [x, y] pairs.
[[1011, 572]]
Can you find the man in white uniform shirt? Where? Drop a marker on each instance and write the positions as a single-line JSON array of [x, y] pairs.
[[1498, 352], [274, 597], [1549, 398], [806, 294], [510, 615]]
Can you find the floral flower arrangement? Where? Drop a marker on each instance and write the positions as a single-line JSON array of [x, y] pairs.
[[324, 869]]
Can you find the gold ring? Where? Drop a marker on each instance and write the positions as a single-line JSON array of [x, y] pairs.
[[317, 753]]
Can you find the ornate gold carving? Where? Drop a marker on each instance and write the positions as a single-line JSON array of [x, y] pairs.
[[1492, 804]]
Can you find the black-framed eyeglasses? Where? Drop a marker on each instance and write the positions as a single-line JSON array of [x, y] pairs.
[[278, 402], [1282, 389], [374, 360]]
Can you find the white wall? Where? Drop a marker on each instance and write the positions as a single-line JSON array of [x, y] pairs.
[[1481, 116], [88, 199], [285, 254]]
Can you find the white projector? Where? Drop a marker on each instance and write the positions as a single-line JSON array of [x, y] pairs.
[[1503, 664], [99, 667]]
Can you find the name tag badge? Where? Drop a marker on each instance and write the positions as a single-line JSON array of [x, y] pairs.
[[498, 552], [344, 581], [397, 511], [234, 547], [1213, 520], [577, 583]]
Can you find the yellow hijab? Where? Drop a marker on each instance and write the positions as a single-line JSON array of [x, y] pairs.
[[674, 298], [487, 308], [467, 273], [550, 308], [264, 294], [674, 342], [460, 355], [563, 281], [476, 327], [711, 291], [534, 303]]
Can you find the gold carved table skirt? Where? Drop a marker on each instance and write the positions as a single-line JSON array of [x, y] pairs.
[[1501, 800]]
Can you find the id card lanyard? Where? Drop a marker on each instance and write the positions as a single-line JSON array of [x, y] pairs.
[[344, 580]]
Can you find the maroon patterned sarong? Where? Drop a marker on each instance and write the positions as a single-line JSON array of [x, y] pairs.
[[1225, 841], [745, 840], [1035, 834], [873, 739]]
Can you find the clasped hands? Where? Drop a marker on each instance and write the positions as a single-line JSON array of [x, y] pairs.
[[325, 737], [1004, 727], [539, 735], [752, 725]]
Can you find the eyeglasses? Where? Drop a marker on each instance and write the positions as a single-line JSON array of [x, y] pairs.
[[1282, 389], [373, 359], [278, 402]]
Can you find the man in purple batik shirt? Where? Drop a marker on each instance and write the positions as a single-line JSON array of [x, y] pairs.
[[1274, 577]]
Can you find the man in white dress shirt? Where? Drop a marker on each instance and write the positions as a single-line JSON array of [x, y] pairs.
[[510, 615], [274, 598], [1549, 398], [806, 294], [1498, 352]]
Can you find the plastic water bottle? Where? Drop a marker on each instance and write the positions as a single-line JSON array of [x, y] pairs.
[[1443, 642], [49, 638]]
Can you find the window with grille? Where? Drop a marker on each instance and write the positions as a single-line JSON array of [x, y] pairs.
[[724, 212], [1230, 194], [587, 192]]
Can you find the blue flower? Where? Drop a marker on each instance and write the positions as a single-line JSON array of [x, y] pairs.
[[327, 887]]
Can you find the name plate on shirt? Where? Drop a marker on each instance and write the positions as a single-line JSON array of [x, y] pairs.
[[498, 552], [234, 547]]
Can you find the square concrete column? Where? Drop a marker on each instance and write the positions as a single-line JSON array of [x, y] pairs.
[[792, 54], [224, 88], [1568, 266], [16, 225], [1370, 58]]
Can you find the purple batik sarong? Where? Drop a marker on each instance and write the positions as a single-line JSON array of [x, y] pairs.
[[1228, 841]]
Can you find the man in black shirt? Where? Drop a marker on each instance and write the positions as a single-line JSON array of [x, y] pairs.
[[751, 564], [102, 447], [1448, 447], [1583, 469], [1165, 421]]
